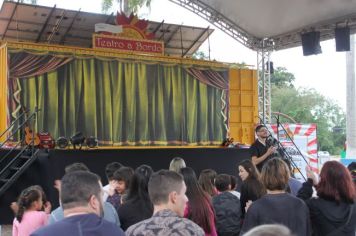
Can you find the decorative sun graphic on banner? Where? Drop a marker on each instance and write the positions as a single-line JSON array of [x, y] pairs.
[[133, 27]]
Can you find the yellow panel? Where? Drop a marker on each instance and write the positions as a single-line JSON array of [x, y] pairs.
[[248, 133], [235, 98], [3, 89], [247, 80], [234, 77], [235, 132], [247, 99], [243, 104], [247, 115], [235, 114]]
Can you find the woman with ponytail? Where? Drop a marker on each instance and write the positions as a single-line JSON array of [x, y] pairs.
[[29, 215]]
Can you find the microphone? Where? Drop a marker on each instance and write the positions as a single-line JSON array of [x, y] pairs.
[[271, 141]]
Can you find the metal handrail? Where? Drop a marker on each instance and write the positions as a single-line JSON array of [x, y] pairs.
[[10, 151], [13, 159], [20, 126], [13, 123]]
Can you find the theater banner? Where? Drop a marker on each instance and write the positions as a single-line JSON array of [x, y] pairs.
[[133, 36], [128, 44]]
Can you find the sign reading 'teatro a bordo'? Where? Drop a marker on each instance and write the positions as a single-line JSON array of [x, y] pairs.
[[128, 44], [129, 35]]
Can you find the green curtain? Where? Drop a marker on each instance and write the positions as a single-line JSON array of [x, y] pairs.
[[126, 103]]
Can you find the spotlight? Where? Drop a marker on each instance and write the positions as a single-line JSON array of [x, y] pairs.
[[91, 142], [77, 139], [62, 142]]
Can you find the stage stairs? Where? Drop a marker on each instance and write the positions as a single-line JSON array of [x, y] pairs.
[[19, 156]]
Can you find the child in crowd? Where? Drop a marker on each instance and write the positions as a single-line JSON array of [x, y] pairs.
[[227, 208], [109, 171], [121, 182], [206, 181], [29, 216]]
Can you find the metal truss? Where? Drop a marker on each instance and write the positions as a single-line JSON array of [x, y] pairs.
[[264, 83], [263, 47], [220, 21]]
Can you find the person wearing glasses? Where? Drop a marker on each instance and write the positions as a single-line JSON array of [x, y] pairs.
[[260, 151]]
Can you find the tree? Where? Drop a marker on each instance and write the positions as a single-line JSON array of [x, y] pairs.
[[127, 6], [309, 106], [282, 78]]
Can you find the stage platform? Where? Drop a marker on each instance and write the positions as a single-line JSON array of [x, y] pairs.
[[50, 166]]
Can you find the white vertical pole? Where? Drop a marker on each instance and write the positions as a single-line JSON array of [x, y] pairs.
[[351, 101]]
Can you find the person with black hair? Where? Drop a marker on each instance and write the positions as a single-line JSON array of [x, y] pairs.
[[123, 179], [137, 206], [199, 208], [81, 198], [352, 168], [227, 207], [234, 186], [110, 169], [260, 151], [251, 188]]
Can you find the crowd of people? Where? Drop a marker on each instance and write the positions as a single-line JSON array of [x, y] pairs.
[[267, 201]]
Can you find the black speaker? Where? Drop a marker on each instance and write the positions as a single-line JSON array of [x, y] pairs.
[[311, 43], [342, 39]]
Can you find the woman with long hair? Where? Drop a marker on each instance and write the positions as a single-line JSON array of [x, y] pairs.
[[277, 206], [251, 188], [199, 207], [334, 211], [137, 206], [207, 181]]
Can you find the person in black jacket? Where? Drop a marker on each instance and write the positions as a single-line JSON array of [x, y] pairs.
[[138, 205], [227, 208], [333, 213]]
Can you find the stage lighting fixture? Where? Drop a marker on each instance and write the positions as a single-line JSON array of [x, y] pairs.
[[91, 142], [311, 43], [62, 142], [342, 39], [77, 139]]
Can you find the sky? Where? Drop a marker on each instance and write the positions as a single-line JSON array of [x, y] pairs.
[[325, 72]]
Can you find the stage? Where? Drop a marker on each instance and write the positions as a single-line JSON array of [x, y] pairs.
[[50, 166]]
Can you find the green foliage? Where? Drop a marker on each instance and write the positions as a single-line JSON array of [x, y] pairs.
[[200, 55], [129, 5], [106, 5], [309, 106], [282, 78]]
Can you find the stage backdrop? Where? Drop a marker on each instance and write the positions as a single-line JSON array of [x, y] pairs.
[[121, 102]]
